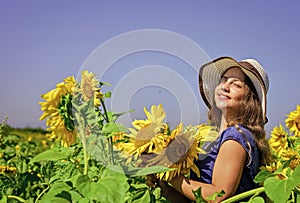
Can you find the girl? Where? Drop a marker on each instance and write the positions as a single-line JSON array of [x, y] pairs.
[[235, 93]]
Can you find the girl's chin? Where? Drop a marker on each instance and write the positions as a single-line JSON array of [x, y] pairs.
[[224, 107], [222, 104]]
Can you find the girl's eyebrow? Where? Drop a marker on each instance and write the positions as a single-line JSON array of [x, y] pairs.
[[223, 76], [227, 77]]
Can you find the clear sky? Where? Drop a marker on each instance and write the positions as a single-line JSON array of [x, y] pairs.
[[41, 42]]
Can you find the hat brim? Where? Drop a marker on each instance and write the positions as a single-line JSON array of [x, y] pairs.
[[211, 73]]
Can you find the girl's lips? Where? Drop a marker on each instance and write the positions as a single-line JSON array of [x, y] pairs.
[[223, 96]]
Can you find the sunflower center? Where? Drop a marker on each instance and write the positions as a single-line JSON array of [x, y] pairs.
[[147, 132], [178, 148], [297, 122], [88, 90]]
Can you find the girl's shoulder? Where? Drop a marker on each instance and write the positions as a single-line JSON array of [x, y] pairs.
[[239, 133], [244, 136]]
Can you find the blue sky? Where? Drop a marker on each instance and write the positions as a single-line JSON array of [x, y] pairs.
[[42, 42]]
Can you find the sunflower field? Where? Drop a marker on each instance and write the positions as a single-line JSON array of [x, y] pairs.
[[86, 156]]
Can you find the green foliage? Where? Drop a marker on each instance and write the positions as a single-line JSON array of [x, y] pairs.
[[198, 196], [111, 128], [83, 188], [257, 200], [19, 179], [286, 184], [89, 171], [262, 176], [139, 192], [213, 197], [53, 154]]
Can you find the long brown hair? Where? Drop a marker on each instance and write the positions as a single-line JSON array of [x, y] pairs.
[[250, 116]]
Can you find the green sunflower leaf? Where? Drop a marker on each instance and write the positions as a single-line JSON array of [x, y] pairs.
[[296, 176], [104, 190], [113, 128], [146, 198], [107, 95], [198, 196], [59, 192], [278, 190], [257, 200], [262, 176], [112, 116], [52, 155], [150, 170]]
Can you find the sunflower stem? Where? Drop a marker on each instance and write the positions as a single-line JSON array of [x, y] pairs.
[[243, 195], [105, 111], [83, 141], [110, 138], [41, 194], [85, 155], [16, 197]]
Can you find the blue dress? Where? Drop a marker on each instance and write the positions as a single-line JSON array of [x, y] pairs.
[[206, 162]]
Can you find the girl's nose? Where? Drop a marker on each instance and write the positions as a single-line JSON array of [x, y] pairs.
[[225, 87]]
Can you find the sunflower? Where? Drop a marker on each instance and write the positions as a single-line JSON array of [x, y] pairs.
[[272, 167], [205, 133], [278, 140], [157, 115], [57, 110], [89, 87], [179, 154], [152, 143], [291, 154], [8, 170], [293, 121], [150, 135]]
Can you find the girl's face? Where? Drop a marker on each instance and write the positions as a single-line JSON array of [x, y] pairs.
[[230, 91]]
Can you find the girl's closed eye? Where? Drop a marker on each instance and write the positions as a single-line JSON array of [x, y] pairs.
[[238, 84]]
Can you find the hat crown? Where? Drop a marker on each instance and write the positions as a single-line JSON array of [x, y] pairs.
[[260, 70]]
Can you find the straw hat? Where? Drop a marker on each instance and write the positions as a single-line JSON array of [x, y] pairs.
[[210, 75]]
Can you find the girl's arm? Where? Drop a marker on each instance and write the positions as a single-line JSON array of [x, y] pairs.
[[227, 173]]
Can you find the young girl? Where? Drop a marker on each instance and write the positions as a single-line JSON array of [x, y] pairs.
[[235, 93]]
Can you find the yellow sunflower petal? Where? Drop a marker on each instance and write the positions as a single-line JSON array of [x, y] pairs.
[[293, 121], [196, 170], [150, 135]]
